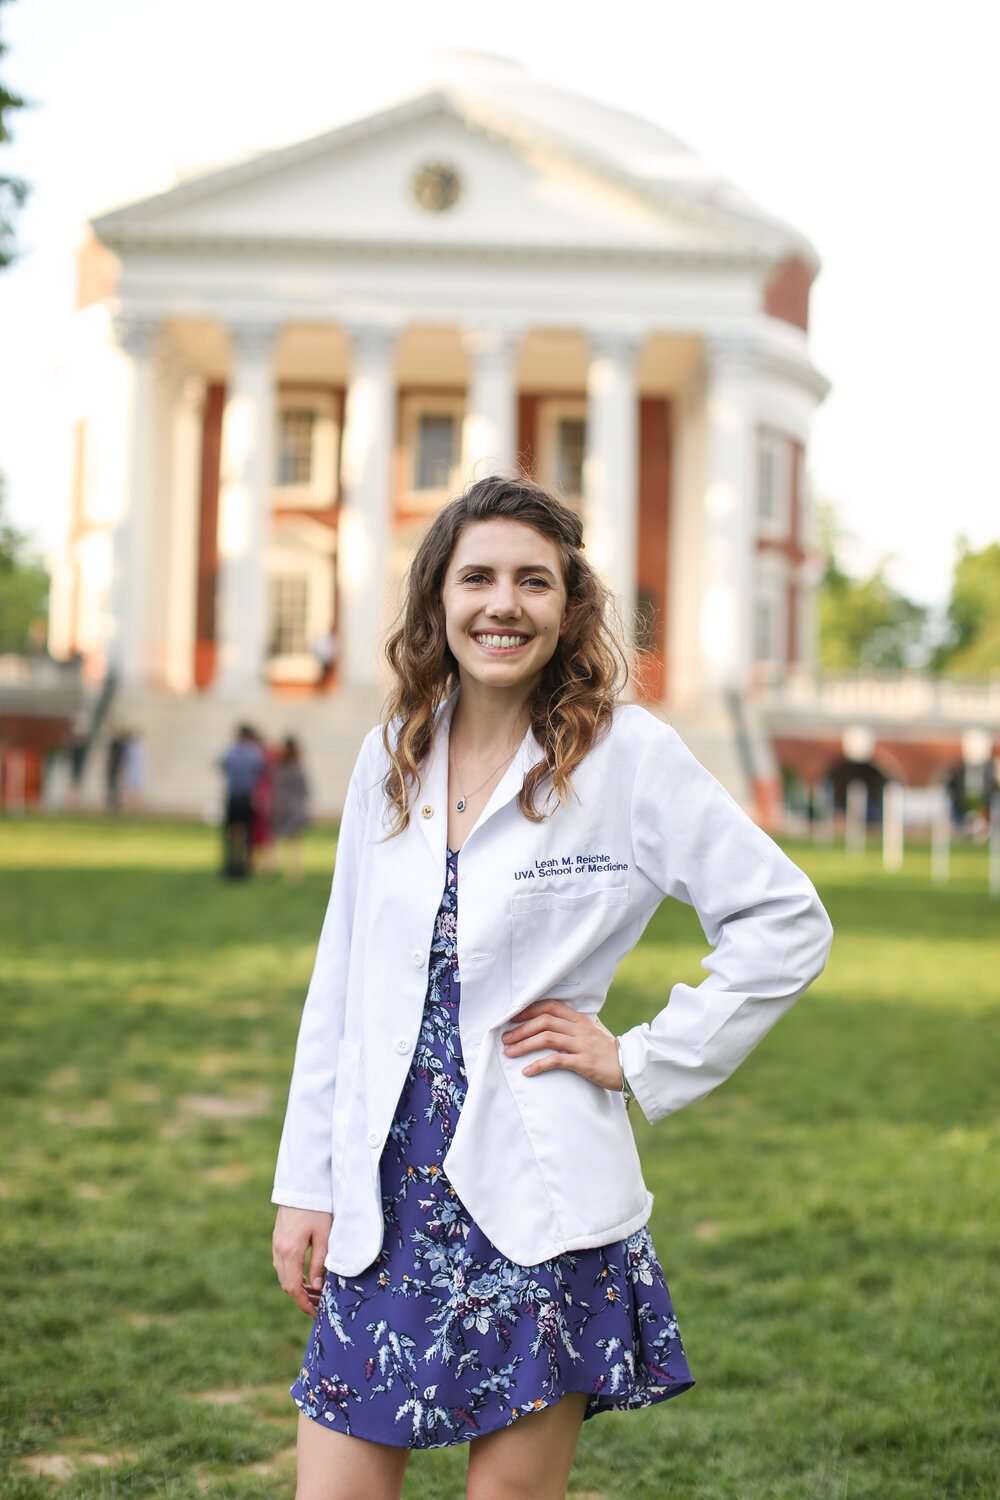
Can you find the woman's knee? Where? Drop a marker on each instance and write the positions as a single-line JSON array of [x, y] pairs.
[[333, 1466], [531, 1459]]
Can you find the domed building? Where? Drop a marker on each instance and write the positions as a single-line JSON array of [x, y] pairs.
[[282, 368]]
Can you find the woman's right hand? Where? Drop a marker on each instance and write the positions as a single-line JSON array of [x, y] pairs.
[[295, 1231]]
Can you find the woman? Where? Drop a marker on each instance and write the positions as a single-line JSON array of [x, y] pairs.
[[464, 1179], [291, 806], [263, 851]]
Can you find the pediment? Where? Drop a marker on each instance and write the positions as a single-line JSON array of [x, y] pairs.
[[361, 186]]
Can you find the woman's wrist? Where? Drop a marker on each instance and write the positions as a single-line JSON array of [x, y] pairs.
[[626, 1089]]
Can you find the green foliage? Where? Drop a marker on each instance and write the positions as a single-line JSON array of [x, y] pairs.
[[972, 648], [862, 623], [828, 1220], [13, 190], [24, 586], [866, 623]]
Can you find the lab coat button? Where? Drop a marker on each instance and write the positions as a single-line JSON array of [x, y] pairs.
[[418, 958], [374, 1139], [402, 1045]]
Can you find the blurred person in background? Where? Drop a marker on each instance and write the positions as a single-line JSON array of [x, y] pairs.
[[291, 807], [241, 766], [76, 754], [326, 649], [114, 763], [263, 850], [134, 770]]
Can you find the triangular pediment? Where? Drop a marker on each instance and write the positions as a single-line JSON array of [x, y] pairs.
[[441, 171]]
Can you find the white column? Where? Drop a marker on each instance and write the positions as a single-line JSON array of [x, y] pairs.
[[611, 466], [245, 481], [726, 613], [489, 432], [366, 506], [129, 624], [182, 559]]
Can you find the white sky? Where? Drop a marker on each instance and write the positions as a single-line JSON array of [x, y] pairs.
[[872, 125]]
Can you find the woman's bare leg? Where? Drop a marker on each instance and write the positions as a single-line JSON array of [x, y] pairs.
[[531, 1459], [333, 1466]]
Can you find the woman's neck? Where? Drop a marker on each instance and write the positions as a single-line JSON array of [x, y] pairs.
[[487, 721]]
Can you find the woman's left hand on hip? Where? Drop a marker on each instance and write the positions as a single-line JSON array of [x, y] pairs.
[[578, 1042]]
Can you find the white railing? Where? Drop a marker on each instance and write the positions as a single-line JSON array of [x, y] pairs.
[[905, 696]]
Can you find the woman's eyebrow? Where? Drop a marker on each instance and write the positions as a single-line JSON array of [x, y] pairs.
[[521, 568]]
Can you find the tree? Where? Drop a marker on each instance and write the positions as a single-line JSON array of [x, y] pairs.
[[13, 190], [863, 622], [24, 587], [972, 645]]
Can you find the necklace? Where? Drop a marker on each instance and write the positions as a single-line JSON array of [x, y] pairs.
[[463, 799]]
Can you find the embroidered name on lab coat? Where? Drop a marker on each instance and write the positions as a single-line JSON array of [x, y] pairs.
[[572, 864]]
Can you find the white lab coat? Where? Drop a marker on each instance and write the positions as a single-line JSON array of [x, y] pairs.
[[545, 1164]]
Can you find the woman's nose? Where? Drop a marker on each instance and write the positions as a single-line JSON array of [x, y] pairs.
[[504, 602]]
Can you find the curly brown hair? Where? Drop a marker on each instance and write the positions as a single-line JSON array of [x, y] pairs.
[[571, 707]]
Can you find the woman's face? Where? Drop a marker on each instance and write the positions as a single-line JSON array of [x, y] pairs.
[[504, 602]]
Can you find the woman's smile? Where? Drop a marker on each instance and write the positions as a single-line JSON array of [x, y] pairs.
[[507, 641]]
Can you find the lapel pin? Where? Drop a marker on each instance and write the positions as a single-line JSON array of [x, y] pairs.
[[427, 811]]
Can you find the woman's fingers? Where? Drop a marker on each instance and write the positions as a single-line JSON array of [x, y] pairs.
[[538, 1007], [541, 1025], [577, 1041], [297, 1231]]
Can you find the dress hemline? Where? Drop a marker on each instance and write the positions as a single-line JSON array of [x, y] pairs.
[[651, 1395]]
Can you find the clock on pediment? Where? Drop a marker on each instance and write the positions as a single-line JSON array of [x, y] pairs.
[[436, 186]]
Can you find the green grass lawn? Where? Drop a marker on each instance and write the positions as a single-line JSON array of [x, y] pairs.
[[828, 1221]]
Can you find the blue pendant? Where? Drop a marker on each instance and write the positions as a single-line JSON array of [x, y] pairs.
[[460, 805]]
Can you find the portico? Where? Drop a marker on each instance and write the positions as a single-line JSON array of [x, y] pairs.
[[298, 359]]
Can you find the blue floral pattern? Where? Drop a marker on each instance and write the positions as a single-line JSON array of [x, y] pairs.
[[442, 1339]]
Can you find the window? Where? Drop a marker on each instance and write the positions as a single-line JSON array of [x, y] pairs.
[[306, 449], [571, 442], [295, 445], [562, 445], [776, 478], [289, 616], [763, 629], [436, 450], [767, 482]]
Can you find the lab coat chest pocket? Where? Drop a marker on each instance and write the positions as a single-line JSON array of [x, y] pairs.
[[344, 1095], [552, 934]]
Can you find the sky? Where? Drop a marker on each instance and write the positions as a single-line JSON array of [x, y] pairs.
[[872, 125]]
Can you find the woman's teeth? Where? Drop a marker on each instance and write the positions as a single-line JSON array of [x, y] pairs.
[[501, 642]]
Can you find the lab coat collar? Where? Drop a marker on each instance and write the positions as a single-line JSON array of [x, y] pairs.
[[434, 784]]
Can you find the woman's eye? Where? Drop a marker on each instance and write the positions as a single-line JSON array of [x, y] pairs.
[[537, 583], [474, 578]]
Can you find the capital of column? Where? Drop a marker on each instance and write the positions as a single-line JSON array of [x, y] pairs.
[[490, 345], [136, 333], [614, 344], [252, 338], [372, 341], [731, 354]]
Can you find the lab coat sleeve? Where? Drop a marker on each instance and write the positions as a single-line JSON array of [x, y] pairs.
[[303, 1175], [769, 932]]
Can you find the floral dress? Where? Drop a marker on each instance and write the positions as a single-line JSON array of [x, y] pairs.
[[443, 1339]]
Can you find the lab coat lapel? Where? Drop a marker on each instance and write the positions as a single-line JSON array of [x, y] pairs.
[[529, 751], [434, 788]]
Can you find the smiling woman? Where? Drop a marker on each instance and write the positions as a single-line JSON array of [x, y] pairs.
[[479, 1264]]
